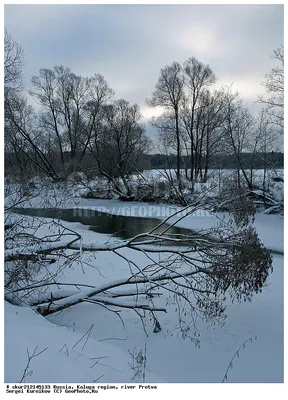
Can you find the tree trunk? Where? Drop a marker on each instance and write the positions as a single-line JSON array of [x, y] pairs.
[[178, 175]]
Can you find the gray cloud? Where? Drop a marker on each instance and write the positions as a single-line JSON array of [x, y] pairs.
[[129, 44]]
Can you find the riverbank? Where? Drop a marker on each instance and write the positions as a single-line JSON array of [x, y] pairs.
[[170, 358]]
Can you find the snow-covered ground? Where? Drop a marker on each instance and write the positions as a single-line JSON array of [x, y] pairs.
[[169, 357], [218, 180]]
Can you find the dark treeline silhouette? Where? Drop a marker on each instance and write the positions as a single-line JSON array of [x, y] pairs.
[[225, 161], [163, 161]]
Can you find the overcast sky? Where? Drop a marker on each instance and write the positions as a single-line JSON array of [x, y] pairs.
[[128, 44]]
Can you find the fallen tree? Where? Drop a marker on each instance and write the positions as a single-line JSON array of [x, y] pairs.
[[194, 273]]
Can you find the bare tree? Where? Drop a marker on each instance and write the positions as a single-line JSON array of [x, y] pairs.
[[169, 94], [273, 101], [260, 142], [182, 92], [197, 78], [20, 132], [71, 106], [267, 138], [20, 127], [13, 63], [119, 142], [99, 93], [238, 130], [207, 119], [213, 118], [45, 91]]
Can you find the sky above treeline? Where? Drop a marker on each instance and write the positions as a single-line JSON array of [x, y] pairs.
[[129, 44]]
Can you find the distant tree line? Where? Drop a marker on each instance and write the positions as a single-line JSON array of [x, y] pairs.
[[271, 160], [221, 161]]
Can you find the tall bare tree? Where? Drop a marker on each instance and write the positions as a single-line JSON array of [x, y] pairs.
[[273, 101], [20, 132], [13, 63], [181, 91], [119, 141], [20, 122], [71, 105], [45, 86], [238, 131], [99, 94], [213, 118], [169, 94], [197, 78]]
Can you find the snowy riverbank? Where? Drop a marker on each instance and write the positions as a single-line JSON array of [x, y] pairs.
[[169, 357]]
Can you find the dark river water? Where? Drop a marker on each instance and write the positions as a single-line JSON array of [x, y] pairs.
[[123, 227]]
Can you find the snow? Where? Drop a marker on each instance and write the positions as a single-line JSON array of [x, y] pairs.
[[62, 361], [28, 250], [176, 360], [170, 358]]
